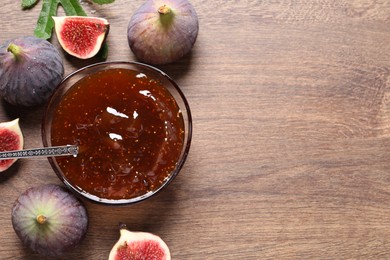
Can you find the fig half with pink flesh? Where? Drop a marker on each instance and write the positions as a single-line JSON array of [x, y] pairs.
[[81, 36], [163, 31], [139, 245], [11, 139], [49, 220]]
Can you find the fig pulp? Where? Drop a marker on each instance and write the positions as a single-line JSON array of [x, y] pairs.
[[138, 246], [11, 139], [30, 69], [81, 36], [162, 32], [49, 220]]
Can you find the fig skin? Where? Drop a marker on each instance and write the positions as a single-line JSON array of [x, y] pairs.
[[139, 245], [30, 70], [11, 139], [81, 36], [49, 220], [162, 32]]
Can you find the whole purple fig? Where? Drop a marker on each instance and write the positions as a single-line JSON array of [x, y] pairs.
[[163, 31], [49, 220], [30, 70]]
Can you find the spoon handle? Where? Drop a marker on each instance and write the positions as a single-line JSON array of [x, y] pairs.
[[41, 152]]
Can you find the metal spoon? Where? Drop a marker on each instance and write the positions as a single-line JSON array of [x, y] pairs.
[[41, 152]]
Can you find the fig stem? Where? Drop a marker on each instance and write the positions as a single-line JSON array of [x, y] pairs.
[[164, 9], [122, 226], [166, 15], [15, 50], [41, 219]]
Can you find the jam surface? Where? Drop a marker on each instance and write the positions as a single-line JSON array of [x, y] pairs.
[[129, 130]]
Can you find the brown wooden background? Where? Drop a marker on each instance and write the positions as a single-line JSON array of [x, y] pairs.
[[291, 144]]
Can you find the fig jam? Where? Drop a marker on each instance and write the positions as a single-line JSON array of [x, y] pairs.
[[129, 129]]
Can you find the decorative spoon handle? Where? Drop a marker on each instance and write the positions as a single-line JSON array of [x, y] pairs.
[[41, 152]]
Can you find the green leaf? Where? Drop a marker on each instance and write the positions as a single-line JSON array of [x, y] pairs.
[[102, 2], [27, 4], [45, 23], [73, 7]]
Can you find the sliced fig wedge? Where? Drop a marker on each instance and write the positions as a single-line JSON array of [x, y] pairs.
[[11, 139], [139, 245], [81, 36]]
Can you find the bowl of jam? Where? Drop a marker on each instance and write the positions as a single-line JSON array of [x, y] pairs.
[[132, 125]]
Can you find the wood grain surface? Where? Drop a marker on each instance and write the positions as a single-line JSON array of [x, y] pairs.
[[291, 144]]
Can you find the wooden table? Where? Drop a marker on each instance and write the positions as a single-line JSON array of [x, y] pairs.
[[291, 143]]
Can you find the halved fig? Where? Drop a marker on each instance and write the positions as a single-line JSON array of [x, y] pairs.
[[11, 139], [139, 245], [81, 36], [49, 219]]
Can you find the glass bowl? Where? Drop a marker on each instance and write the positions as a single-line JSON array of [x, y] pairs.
[[132, 124]]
